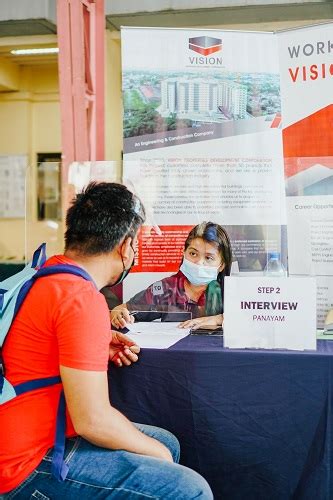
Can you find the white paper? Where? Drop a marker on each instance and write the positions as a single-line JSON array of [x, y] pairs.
[[156, 335]]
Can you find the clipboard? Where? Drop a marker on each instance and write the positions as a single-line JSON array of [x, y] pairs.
[[216, 332]]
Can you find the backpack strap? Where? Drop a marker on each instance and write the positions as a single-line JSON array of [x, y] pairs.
[[2, 296], [39, 383], [59, 467], [48, 271], [64, 269], [39, 256]]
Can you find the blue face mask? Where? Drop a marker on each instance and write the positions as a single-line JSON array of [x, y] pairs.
[[198, 274]]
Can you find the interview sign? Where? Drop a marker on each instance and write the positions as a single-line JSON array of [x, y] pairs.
[[270, 313]]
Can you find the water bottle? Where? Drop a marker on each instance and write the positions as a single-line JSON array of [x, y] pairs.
[[274, 266]]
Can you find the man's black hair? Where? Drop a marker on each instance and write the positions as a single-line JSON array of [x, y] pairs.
[[101, 216]]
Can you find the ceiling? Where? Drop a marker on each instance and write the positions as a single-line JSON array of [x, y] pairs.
[[25, 42], [41, 31], [27, 27], [37, 17], [267, 14]]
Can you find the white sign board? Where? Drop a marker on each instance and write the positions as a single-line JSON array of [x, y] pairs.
[[270, 313]]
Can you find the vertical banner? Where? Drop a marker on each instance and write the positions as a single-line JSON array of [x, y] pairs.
[[202, 142], [307, 108]]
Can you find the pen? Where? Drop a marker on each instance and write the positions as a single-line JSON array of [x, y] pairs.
[[131, 313], [134, 313]]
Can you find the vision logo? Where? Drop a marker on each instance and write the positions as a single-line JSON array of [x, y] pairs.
[[205, 45]]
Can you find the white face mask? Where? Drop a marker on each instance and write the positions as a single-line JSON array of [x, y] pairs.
[[198, 274]]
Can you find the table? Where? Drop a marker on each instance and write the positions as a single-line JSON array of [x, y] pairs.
[[256, 424]]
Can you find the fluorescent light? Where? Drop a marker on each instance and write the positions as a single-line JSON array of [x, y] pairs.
[[29, 52]]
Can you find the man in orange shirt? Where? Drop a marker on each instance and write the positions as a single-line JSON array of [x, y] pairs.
[[63, 328]]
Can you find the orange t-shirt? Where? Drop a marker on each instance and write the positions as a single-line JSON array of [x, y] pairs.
[[65, 321]]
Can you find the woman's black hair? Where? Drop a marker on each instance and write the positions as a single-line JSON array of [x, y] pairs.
[[101, 216], [216, 235]]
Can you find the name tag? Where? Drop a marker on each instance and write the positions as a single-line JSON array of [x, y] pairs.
[[157, 288]]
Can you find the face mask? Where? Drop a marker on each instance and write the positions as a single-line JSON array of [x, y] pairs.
[[122, 276], [198, 274], [125, 271]]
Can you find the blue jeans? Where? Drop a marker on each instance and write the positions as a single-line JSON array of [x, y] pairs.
[[98, 473]]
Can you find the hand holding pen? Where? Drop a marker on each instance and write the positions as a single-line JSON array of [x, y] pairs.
[[121, 317]]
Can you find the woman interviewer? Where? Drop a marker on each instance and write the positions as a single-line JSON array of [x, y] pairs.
[[196, 288]]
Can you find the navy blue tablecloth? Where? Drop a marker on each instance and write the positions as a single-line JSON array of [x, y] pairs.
[[256, 424]]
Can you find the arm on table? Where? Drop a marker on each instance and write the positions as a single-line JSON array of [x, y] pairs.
[[120, 316], [204, 322], [94, 418], [142, 305]]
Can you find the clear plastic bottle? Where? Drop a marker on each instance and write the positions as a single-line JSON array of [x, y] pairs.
[[274, 266]]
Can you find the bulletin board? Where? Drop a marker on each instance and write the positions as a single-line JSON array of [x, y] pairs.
[[12, 186]]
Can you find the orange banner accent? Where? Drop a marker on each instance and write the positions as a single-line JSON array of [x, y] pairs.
[[160, 253]]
